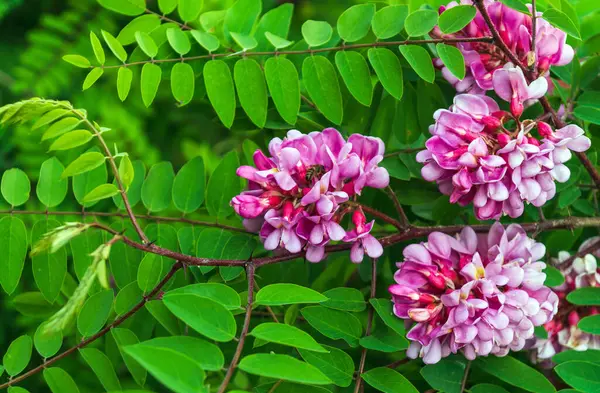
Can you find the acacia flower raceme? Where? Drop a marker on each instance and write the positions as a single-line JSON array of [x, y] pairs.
[[472, 293], [297, 197], [563, 333], [491, 158], [482, 59]]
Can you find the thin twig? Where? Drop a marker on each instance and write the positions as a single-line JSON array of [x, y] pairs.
[[465, 377], [533, 36], [275, 386], [269, 309], [306, 51], [240, 346], [403, 219], [101, 333], [308, 101], [169, 20], [363, 355]]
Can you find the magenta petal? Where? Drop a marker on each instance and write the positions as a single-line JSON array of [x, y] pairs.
[[417, 253], [372, 246]]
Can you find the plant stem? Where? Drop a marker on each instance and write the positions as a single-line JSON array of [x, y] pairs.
[[403, 219], [465, 377], [101, 333], [240, 346], [363, 355]]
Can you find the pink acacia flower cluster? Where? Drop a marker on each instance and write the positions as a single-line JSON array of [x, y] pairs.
[[483, 59], [296, 198], [563, 333], [479, 295]]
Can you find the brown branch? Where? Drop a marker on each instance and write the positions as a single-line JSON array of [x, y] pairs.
[[363, 355], [307, 51], [595, 246], [403, 219], [240, 346], [101, 333], [169, 20], [121, 215], [378, 214], [533, 36], [465, 377]]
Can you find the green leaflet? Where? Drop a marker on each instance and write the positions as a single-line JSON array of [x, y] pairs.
[[354, 23], [94, 313], [189, 185], [388, 69], [182, 82], [149, 272], [156, 190], [129, 7], [283, 367], [115, 46], [84, 163], [124, 78], [102, 367], [389, 21], [49, 269], [222, 186], [151, 76], [356, 75], [453, 59], [59, 381], [420, 22], [316, 33], [286, 335], [388, 381], [252, 90], [320, 79], [219, 88], [13, 243], [512, 371], [18, 355], [284, 86], [178, 40], [146, 43], [125, 337], [51, 188], [143, 23], [337, 365], [208, 41], [71, 139], [455, 18], [15, 187], [97, 48], [189, 10], [92, 77], [46, 342], [583, 376], [445, 375], [334, 324], [420, 61], [279, 294]]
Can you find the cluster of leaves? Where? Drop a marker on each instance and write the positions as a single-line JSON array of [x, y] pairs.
[[309, 334]]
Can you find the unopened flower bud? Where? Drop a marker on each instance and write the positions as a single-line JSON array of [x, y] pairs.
[[359, 219], [544, 129], [503, 139], [516, 107]]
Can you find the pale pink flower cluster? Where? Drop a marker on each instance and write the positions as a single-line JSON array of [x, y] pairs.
[[474, 157], [479, 295], [296, 197], [563, 333], [515, 29]]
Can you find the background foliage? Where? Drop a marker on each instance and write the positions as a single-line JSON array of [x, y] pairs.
[[177, 137]]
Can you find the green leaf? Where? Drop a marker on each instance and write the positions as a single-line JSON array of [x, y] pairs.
[[156, 191], [354, 23], [171, 368], [320, 79], [86, 182], [178, 40], [587, 296], [129, 7], [51, 188], [143, 23], [242, 16], [17, 389], [337, 365], [206, 40], [146, 43], [245, 42], [125, 337], [446, 375], [162, 314], [456, 18], [71, 139], [151, 76], [219, 88], [384, 340], [277, 41], [345, 299], [516, 5], [356, 75], [115, 46], [283, 334], [316, 33], [47, 342], [94, 313], [126, 172], [222, 186], [188, 186], [452, 58], [102, 367], [513, 372], [388, 69], [15, 187], [18, 355], [103, 191], [189, 10], [284, 86], [134, 192], [389, 21], [203, 315], [283, 367], [487, 388], [220, 293], [252, 90], [128, 297], [588, 113], [124, 77], [388, 381], [60, 127], [568, 197], [583, 376], [77, 60], [92, 77], [419, 60], [562, 21], [554, 277], [280, 294], [334, 324], [384, 309], [149, 272], [590, 355], [49, 117], [182, 82], [33, 304], [84, 163], [49, 269], [59, 381], [13, 243], [590, 324], [420, 22], [206, 354], [97, 48]]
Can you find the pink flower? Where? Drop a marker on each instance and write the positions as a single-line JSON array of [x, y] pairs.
[[474, 294], [363, 240], [510, 85], [297, 197], [483, 59]]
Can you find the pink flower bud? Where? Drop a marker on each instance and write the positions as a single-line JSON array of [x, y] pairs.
[[573, 318], [359, 220], [503, 139], [544, 129], [491, 121], [516, 107]]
